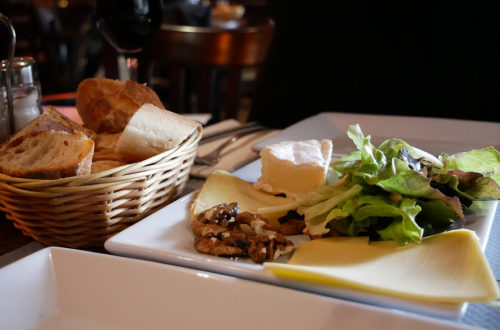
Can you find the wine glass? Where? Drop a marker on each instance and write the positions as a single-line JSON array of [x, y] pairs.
[[128, 25]]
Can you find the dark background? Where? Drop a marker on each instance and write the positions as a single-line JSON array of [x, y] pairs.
[[435, 58]]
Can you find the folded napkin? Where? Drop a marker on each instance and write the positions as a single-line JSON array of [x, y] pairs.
[[69, 112], [214, 129], [235, 155]]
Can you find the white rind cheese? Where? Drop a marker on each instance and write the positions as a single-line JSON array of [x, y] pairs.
[[294, 167]]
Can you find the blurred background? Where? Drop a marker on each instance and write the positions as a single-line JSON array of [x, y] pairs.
[[60, 35], [436, 60], [63, 38]]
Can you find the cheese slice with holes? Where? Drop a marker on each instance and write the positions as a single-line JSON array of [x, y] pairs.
[[223, 187], [294, 167], [447, 268]]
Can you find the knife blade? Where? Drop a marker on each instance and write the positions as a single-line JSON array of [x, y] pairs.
[[231, 131]]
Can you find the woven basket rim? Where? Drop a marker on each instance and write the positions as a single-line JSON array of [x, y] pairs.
[[195, 136], [84, 211]]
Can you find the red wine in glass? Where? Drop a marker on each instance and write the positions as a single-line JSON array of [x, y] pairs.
[[128, 25]]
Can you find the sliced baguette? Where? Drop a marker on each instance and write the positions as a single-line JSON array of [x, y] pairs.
[[49, 119], [48, 154], [53, 119], [151, 131]]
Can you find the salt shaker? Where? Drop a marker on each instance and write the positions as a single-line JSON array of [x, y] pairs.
[[5, 129], [20, 92], [25, 87]]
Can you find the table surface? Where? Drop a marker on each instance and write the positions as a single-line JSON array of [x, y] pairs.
[[11, 238], [14, 245]]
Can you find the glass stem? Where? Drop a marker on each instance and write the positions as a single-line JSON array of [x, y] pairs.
[[132, 65], [127, 68]]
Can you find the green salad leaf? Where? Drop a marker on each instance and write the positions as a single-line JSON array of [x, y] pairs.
[[485, 161], [398, 192]]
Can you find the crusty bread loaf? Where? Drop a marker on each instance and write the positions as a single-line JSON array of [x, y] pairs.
[[50, 119], [106, 141], [104, 151], [48, 154], [106, 105], [151, 131]]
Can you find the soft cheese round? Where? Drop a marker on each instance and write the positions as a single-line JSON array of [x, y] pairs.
[[294, 167], [303, 152]]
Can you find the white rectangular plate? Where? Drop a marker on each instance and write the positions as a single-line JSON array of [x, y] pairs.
[[59, 288], [166, 235], [434, 135]]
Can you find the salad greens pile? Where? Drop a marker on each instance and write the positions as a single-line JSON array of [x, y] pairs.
[[398, 192]]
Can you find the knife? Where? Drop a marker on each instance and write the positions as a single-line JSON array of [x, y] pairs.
[[251, 126]]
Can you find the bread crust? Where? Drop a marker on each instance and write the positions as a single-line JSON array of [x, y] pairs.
[[106, 141], [53, 119], [50, 119], [81, 161], [151, 131], [106, 105]]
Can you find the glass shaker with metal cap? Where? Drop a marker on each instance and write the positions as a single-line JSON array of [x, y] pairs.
[[25, 87], [19, 88]]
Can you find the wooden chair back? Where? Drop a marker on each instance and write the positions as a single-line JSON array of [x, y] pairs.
[[207, 50]]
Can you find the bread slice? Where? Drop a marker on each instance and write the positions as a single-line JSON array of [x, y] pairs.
[[151, 131], [53, 119], [49, 119], [103, 165], [48, 154], [106, 105]]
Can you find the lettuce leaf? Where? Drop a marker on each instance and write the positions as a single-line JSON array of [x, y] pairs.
[[400, 178], [435, 216], [472, 185], [399, 192], [318, 215], [402, 227], [485, 161]]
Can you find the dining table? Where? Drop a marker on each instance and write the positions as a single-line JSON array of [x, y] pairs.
[[434, 134]]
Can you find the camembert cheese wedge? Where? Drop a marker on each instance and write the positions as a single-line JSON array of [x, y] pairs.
[[294, 167]]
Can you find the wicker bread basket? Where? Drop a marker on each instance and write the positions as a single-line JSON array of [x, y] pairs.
[[84, 211]]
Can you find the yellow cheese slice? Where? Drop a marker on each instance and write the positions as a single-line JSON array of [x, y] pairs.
[[446, 268], [223, 187]]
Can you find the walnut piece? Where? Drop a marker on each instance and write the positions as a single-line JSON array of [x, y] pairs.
[[218, 232]]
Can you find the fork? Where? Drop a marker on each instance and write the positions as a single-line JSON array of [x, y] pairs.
[[214, 156]]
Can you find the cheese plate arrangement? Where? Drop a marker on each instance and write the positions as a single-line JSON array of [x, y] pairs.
[[376, 230]]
